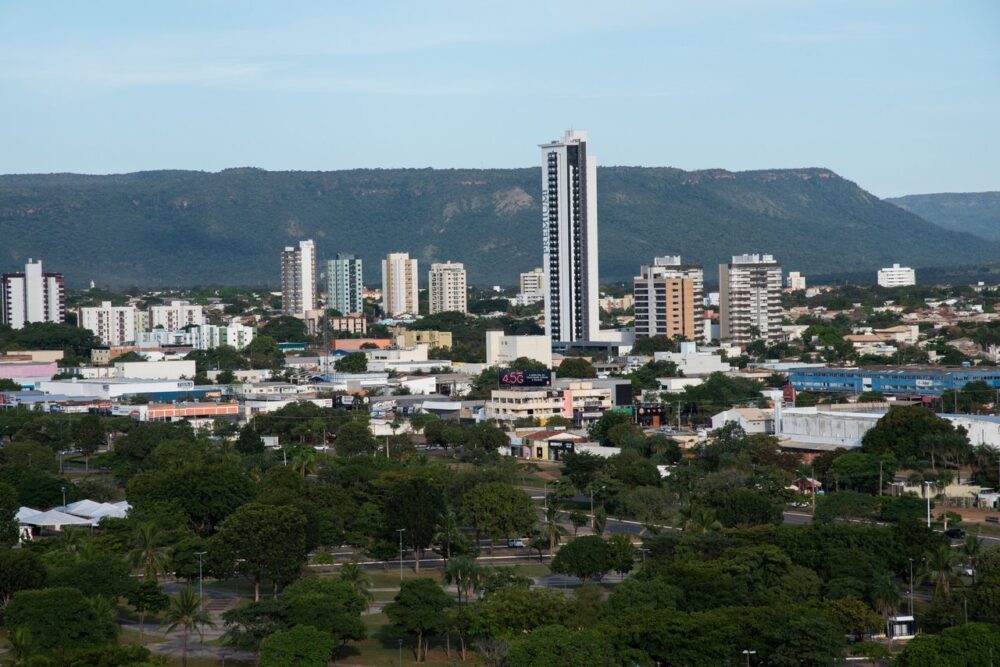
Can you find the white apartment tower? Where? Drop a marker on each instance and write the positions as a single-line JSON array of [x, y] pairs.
[[897, 276], [750, 299], [176, 315], [113, 325], [796, 281], [447, 289], [31, 296], [399, 285], [569, 239], [344, 284], [669, 299], [298, 279]]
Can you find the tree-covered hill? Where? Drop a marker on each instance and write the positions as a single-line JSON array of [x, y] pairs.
[[186, 227], [973, 212]]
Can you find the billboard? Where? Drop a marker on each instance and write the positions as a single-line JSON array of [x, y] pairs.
[[512, 377]]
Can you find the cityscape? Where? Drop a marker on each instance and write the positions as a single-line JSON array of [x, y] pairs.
[[430, 434]]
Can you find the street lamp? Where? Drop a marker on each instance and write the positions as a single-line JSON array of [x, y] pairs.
[[927, 493], [63, 489], [400, 653], [201, 593], [748, 653], [911, 586], [400, 531]]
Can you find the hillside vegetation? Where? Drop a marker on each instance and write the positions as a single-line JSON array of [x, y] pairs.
[[973, 212], [188, 228]]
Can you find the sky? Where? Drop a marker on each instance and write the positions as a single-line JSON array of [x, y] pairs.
[[901, 97]]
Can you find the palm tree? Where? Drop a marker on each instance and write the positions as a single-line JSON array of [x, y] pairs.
[[551, 527], [971, 549], [105, 611], [20, 644], [941, 565], [148, 553], [70, 539], [304, 458], [885, 594], [448, 533], [700, 519], [465, 573], [359, 580], [185, 613]]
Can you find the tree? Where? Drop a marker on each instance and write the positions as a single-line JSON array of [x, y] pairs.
[[575, 367], [650, 345], [578, 519], [497, 510], [19, 570], [745, 507], [599, 429], [582, 470], [855, 617], [354, 439], [355, 362], [964, 645], [302, 646], [207, 493], [57, 619], [585, 557], [621, 553], [147, 597], [901, 431], [185, 614], [416, 505], [845, 505], [249, 442], [9, 527], [267, 542], [465, 573], [941, 563], [552, 530], [418, 610], [286, 329], [330, 605], [263, 352], [356, 577], [556, 645], [148, 553], [89, 435]]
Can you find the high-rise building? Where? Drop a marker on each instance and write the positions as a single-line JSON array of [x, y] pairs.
[[750, 299], [344, 284], [446, 288], [796, 281], [897, 276], [569, 239], [31, 296], [532, 281], [399, 285], [175, 315], [113, 325], [668, 299], [298, 279]]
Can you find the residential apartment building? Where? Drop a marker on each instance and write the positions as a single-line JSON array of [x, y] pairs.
[[796, 281], [447, 289], [750, 299], [31, 295], [400, 285], [897, 276], [403, 337], [569, 226], [175, 315], [235, 334], [352, 325], [532, 281], [298, 279], [113, 325], [344, 284], [669, 299]]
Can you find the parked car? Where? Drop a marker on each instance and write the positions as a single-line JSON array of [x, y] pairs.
[[515, 543], [955, 533]]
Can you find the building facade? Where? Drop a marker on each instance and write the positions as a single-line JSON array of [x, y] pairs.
[[897, 276], [31, 296], [669, 299], [175, 315], [298, 279], [447, 288], [400, 285], [532, 281], [113, 325], [796, 281], [569, 239], [750, 299], [502, 349], [891, 380], [344, 284]]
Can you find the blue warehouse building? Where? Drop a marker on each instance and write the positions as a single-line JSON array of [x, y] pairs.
[[895, 380]]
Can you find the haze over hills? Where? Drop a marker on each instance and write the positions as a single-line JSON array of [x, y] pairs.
[[973, 212], [188, 227]]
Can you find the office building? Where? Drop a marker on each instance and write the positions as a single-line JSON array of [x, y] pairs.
[[344, 284], [31, 296], [175, 315], [750, 299], [896, 276], [502, 349], [669, 299], [796, 281], [447, 290], [113, 325], [399, 285], [298, 279], [891, 380], [532, 281], [569, 228]]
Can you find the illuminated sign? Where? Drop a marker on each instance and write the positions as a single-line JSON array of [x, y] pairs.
[[512, 377]]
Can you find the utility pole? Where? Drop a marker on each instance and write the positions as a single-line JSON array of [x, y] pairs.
[[911, 586], [401, 531], [927, 492], [63, 489], [201, 590], [879, 478]]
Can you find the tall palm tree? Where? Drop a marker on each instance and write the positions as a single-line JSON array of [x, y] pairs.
[[941, 565], [448, 533], [359, 580], [304, 459], [465, 573], [185, 613], [551, 527], [148, 553], [885, 594], [700, 519]]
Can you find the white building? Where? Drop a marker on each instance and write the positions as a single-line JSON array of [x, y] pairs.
[[447, 289], [298, 278], [750, 299], [896, 276], [105, 389], [400, 285], [569, 220], [344, 284], [532, 281], [175, 315], [576, 399], [31, 296], [693, 362], [210, 336], [181, 369], [796, 281], [113, 325], [502, 349]]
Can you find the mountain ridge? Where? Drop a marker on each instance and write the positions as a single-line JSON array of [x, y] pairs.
[[977, 213]]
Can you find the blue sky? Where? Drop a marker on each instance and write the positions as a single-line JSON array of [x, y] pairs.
[[899, 96]]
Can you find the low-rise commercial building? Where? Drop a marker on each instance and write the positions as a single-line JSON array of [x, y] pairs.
[[432, 338], [891, 380], [578, 400], [502, 349]]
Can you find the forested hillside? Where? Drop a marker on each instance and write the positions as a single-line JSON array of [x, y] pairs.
[[973, 212]]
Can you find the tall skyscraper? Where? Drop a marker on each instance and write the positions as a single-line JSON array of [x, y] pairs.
[[344, 284], [668, 299], [298, 279], [750, 299], [569, 239], [447, 290], [31, 296], [399, 285]]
